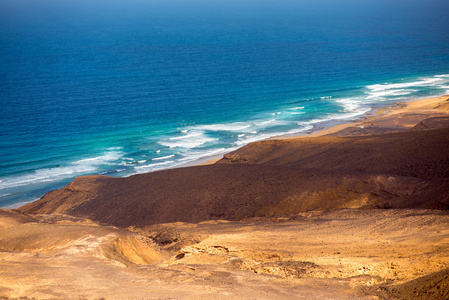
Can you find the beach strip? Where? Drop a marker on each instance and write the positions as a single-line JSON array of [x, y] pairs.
[[393, 118], [396, 117]]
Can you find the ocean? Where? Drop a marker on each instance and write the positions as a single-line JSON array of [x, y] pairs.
[[126, 87]]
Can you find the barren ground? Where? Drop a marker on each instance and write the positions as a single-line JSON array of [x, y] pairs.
[[344, 254]]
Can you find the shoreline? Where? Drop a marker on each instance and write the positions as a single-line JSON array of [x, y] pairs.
[[385, 117]]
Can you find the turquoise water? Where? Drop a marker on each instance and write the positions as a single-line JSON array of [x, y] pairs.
[[121, 88]]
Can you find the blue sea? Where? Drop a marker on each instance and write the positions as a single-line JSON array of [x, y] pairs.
[[126, 87]]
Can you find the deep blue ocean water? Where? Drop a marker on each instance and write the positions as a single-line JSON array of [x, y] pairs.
[[127, 87]]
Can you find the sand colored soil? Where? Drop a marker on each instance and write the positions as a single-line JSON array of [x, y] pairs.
[[344, 254], [359, 211]]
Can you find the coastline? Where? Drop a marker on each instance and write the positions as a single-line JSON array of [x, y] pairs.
[[333, 152], [378, 117], [387, 117], [346, 213]]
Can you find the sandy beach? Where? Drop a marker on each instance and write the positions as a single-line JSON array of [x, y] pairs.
[[356, 211], [393, 118]]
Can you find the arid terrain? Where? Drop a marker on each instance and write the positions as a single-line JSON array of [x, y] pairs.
[[357, 211], [344, 254]]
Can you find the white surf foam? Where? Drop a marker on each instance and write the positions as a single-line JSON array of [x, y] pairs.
[[239, 126], [187, 135], [306, 128], [350, 115], [83, 166], [190, 156], [265, 123], [99, 160], [313, 121], [380, 92], [392, 92], [44, 175], [163, 157], [190, 140], [352, 109], [350, 105], [264, 136], [193, 156], [152, 167], [262, 125], [419, 83]]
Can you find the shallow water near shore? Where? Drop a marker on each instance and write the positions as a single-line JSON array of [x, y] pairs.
[[115, 89]]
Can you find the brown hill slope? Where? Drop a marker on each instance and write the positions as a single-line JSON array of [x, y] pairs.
[[271, 178], [415, 153]]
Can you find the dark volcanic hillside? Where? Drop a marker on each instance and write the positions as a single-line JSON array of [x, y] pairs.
[[271, 178], [416, 153]]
